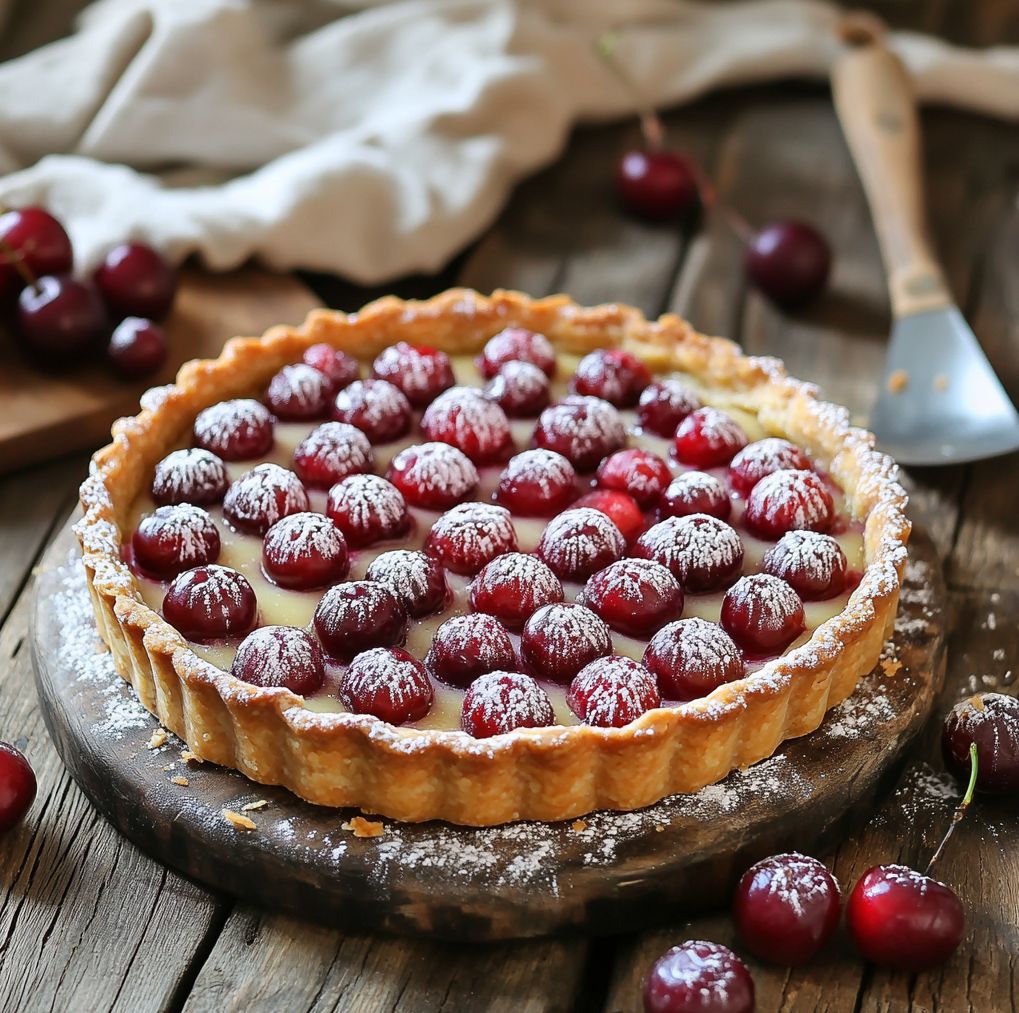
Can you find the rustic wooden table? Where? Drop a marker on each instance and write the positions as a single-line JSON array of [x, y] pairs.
[[88, 923]]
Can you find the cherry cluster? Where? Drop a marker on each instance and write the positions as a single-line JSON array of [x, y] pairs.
[[60, 320]]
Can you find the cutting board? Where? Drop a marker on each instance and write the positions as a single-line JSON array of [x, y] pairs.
[[44, 416]]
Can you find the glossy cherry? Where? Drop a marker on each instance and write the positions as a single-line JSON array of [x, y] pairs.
[[516, 344], [641, 473], [691, 657], [620, 508], [500, 702], [708, 437], [764, 457], [136, 281], [763, 614], [703, 553], [634, 596], [789, 261], [582, 429], [613, 375], [991, 721], [580, 542], [419, 581], [789, 501], [280, 656], [173, 539], [190, 476], [422, 373], [695, 492], [262, 496], [812, 564], [376, 407], [389, 684], [520, 389], [464, 418], [210, 602], [330, 453], [39, 239], [611, 692], [303, 551], [300, 393], [537, 483], [60, 319], [367, 509], [559, 640], [341, 368], [514, 586], [465, 647], [470, 535], [434, 476], [357, 616], [17, 786], [699, 977], [236, 430], [663, 405], [656, 184], [137, 347]]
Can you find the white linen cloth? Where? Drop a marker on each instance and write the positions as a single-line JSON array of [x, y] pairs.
[[375, 139]]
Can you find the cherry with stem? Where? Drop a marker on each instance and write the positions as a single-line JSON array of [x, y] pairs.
[[960, 812]]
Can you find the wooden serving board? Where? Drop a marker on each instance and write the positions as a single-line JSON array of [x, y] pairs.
[[44, 416], [609, 873]]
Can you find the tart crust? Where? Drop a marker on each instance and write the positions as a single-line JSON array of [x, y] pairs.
[[535, 773]]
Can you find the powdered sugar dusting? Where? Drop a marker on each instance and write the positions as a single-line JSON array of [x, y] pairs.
[[506, 700], [337, 449], [220, 424], [545, 469], [392, 673], [184, 474], [794, 499], [471, 535], [579, 541], [260, 497], [190, 529], [369, 499], [698, 549], [465, 418], [302, 536], [436, 467], [612, 692], [279, 656]]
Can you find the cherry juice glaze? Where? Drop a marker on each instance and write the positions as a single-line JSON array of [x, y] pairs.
[[278, 606]]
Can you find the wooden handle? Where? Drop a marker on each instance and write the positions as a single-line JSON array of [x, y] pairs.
[[875, 102]]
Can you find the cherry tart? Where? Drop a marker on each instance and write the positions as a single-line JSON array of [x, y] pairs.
[[488, 541]]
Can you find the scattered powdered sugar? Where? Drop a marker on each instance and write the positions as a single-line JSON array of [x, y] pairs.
[[767, 600], [809, 554], [794, 881], [262, 496], [764, 457], [183, 473], [516, 345], [523, 382], [580, 541], [436, 467], [352, 604], [221, 586]]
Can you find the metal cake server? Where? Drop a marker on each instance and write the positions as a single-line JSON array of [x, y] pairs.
[[940, 402]]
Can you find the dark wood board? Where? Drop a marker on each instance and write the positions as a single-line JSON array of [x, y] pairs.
[[619, 872]]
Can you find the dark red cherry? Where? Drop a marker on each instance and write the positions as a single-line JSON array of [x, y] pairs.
[[210, 602], [280, 656], [620, 508], [434, 476], [613, 375], [173, 539], [691, 658], [695, 492], [520, 389], [39, 239], [422, 373], [582, 429], [330, 453], [389, 684], [612, 692], [639, 472], [341, 368], [663, 405], [375, 407], [559, 640], [262, 496], [656, 184], [897, 916], [786, 907], [470, 535], [499, 702], [300, 393], [812, 564], [537, 483], [17, 785], [703, 553], [137, 347], [235, 430], [367, 509], [357, 616], [634, 596], [60, 319], [190, 476], [789, 501], [708, 437], [419, 581], [699, 977], [789, 261], [304, 551], [991, 720], [136, 281], [515, 344], [465, 647], [764, 457], [513, 586], [464, 418], [763, 614], [580, 542]]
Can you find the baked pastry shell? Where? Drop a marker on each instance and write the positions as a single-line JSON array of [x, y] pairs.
[[542, 773]]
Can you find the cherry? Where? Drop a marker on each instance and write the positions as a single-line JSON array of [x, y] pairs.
[[691, 658], [520, 389], [260, 497], [582, 429], [389, 684], [358, 616], [17, 784], [300, 393], [580, 542], [537, 483], [235, 430], [559, 640], [422, 373], [812, 564], [786, 907], [612, 692], [991, 722], [367, 509], [516, 344], [464, 418], [514, 586], [341, 368], [703, 553], [763, 614], [788, 261], [471, 535], [60, 319], [656, 184], [190, 476], [897, 916], [280, 656], [210, 602], [762, 458], [465, 647], [708, 437], [500, 702], [639, 472], [375, 407], [620, 508], [789, 501], [330, 453], [663, 405], [40, 241], [135, 280], [634, 596], [173, 539], [613, 375], [303, 551], [434, 476], [699, 977], [695, 492], [137, 347], [419, 581]]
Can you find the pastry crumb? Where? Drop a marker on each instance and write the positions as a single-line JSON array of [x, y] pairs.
[[169, 766], [941, 382], [158, 738], [180, 780], [579, 826], [188, 757], [890, 666], [252, 806], [239, 821], [659, 827], [364, 828], [898, 380]]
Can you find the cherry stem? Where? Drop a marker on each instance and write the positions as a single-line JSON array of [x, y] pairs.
[[963, 806], [650, 125], [17, 261]]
